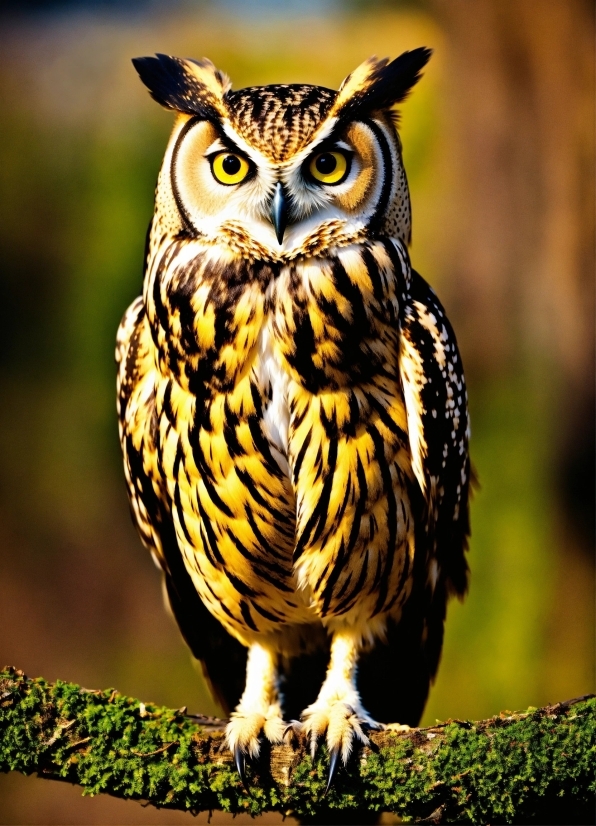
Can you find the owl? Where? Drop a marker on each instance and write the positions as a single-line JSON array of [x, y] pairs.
[[292, 406]]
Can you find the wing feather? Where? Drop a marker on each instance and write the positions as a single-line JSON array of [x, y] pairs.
[[438, 427]]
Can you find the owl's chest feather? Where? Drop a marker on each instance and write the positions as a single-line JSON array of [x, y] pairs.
[[328, 322], [297, 450]]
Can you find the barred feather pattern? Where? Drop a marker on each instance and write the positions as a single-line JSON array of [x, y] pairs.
[[311, 522]]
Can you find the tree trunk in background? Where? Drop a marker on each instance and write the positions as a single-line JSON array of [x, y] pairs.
[[524, 276]]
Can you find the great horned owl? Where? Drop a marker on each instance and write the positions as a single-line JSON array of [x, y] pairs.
[[292, 405]]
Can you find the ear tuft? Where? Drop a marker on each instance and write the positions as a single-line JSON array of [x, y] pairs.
[[379, 84], [194, 87]]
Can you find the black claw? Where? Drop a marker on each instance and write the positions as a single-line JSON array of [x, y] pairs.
[[333, 762], [292, 728], [240, 761]]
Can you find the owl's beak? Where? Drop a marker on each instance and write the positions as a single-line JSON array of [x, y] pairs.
[[279, 212]]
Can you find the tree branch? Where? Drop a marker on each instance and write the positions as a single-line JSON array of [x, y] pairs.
[[536, 766]]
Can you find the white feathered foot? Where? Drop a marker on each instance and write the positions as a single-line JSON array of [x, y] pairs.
[[259, 711], [338, 712]]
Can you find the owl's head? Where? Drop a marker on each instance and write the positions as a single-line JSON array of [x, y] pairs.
[[275, 172]]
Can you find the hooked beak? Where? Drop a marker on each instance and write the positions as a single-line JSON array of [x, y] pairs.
[[279, 212]]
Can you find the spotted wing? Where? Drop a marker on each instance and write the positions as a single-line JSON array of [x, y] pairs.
[[395, 677], [438, 427], [223, 658]]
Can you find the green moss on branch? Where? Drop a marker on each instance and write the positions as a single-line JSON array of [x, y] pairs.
[[537, 766]]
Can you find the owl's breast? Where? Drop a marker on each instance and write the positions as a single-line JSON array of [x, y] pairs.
[[206, 311], [290, 474], [335, 337], [336, 318]]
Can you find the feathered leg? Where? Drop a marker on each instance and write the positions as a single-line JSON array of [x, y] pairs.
[[338, 711], [259, 709]]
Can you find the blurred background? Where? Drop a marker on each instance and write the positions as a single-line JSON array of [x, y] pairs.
[[499, 150]]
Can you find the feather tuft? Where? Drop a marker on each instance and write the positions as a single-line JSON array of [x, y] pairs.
[[378, 85], [194, 87]]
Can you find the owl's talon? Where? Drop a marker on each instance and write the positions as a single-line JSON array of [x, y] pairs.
[[341, 724], [372, 725], [333, 763], [293, 728], [240, 763]]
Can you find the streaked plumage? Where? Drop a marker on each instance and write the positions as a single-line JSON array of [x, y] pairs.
[[293, 415]]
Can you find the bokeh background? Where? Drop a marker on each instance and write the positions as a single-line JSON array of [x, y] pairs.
[[499, 149]]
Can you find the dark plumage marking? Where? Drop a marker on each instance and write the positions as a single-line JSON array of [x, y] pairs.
[[256, 399], [336, 569], [162, 312], [280, 119], [231, 422], [265, 545], [346, 499], [319, 581], [255, 494], [350, 428], [388, 177], [264, 613], [207, 547], [167, 404], [211, 537], [318, 463], [352, 358], [177, 500], [301, 454], [344, 587], [215, 497], [386, 419], [297, 418], [316, 522], [265, 568], [198, 456], [402, 277], [239, 585], [180, 513], [225, 608], [377, 577], [179, 293], [246, 615], [352, 595], [391, 518], [304, 348], [261, 444], [372, 268], [360, 504]]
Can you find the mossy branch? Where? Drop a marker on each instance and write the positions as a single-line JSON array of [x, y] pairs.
[[536, 766]]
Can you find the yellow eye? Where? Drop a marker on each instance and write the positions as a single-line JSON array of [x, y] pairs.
[[229, 168], [329, 167]]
